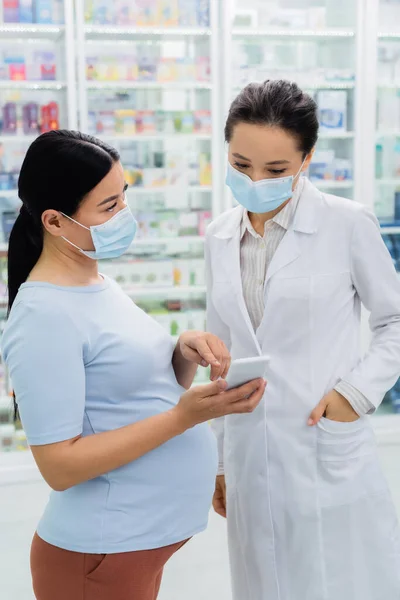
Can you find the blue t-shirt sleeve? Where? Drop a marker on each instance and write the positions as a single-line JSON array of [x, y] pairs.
[[43, 350]]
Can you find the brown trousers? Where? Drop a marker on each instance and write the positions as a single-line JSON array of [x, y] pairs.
[[63, 575]]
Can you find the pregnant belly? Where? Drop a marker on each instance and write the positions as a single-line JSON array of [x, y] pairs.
[[171, 487]]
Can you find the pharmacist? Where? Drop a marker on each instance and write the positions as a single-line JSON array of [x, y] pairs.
[[309, 512], [101, 387]]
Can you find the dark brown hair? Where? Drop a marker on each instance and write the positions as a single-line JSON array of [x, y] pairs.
[[276, 103]]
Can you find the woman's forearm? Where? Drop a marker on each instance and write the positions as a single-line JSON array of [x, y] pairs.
[[69, 463], [185, 370]]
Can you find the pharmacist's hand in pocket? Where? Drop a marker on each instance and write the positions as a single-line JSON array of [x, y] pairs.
[[205, 402], [219, 500], [334, 407], [206, 349]]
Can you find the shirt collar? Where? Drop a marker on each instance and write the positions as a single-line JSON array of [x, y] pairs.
[[284, 218]]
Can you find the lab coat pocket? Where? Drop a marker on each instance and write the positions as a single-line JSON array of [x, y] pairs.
[[347, 461]]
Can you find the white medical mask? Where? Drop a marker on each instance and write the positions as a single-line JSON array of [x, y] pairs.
[[112, 238], [261, 196]]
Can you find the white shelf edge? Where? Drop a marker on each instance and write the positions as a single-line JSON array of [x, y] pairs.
[[390, 230], [388, 181], [389, 34], [386, 428], [18, 467], [336, 136], [164, 241], [128, 85], [8, 193], [17, 139], [154, 137], [107, 30], [387, 133], [332, 184], [28, 29], [273, 32], [176, 291], [164, 189], [32, 85], [313, 85]]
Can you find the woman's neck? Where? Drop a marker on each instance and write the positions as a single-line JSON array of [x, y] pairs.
[[65, 267], [258, 220]]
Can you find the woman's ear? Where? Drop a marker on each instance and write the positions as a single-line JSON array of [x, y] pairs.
[[308, 160], [52, 222]]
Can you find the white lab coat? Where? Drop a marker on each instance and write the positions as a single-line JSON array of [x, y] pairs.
[[309, 512]]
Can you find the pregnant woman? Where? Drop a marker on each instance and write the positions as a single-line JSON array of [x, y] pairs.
[[101, 388], [309, 513]]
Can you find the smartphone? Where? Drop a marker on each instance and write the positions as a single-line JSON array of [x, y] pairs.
[[244, 370]]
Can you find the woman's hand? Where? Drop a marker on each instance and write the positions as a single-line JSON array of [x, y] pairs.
[[205, 349], [334, 407], [219, 500], [205, 402]]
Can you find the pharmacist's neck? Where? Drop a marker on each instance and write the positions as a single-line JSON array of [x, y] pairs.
[[258, 220], [61, 266]]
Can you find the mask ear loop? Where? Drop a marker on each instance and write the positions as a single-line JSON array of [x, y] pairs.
[[73, 220], [68, 241]]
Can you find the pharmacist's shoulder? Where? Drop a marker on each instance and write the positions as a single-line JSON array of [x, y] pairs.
[[343, 208], [226, 224]]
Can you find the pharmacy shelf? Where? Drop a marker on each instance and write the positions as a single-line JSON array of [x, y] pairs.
[[293, 33], [164, 189], [311, 85], [344, 135], [323, 184], [104, 31], [33, 85], [167, 292], [152, 85], [390, 230], [387, 35], [388, 133], [156, 137], [18, 467], [388, 181], [390, 85], [8, 193], [172, 241], [387, 429], [27, 32], [17, 139]]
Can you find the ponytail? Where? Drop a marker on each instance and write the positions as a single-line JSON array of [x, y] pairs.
[[24, 249]]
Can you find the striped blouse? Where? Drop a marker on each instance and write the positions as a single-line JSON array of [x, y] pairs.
[[256, 253]]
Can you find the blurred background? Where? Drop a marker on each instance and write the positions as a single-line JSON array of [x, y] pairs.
[[155, 79]]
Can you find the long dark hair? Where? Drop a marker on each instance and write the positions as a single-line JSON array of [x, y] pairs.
[[59, 170], [276, 103]]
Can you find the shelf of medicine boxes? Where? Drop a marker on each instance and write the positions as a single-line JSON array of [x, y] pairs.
[[20, 31], [19, 467]]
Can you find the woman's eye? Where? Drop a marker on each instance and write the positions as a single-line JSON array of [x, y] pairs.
[[277, 171], [111, 208], [241, 165]]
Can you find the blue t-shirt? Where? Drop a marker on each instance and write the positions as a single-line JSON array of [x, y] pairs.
[[84, 360]]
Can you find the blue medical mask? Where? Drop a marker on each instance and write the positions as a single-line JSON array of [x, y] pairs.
[[261, 196], [112, 238]]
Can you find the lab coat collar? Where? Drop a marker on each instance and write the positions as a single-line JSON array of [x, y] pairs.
[[306, 220]]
